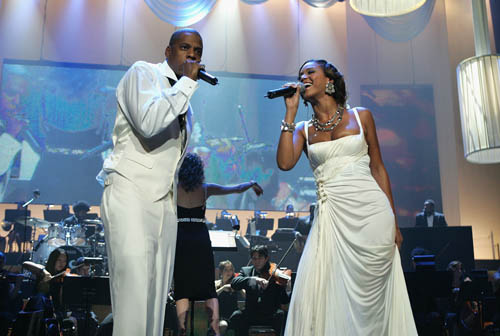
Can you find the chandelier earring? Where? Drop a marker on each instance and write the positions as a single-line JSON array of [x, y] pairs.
[[330, 88]]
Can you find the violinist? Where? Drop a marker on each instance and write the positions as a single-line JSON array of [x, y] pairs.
[[265, 294], [228, 297]]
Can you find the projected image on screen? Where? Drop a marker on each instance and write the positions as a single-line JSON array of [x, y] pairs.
[[56, 122], [53, 120]]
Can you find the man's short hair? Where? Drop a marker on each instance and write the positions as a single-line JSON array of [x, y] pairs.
[[81, 206], [178, 33], [430, 201], [260, 249]]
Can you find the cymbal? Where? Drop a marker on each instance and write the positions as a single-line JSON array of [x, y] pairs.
[[32, 221], [92, 221]]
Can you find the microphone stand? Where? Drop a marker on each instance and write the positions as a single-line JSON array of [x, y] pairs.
[[25, 206]]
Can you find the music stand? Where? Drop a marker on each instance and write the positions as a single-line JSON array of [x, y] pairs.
[[223, 240], [424, 262], [223, 224], [55, 215], [287, 222], [263, 225], [85, 291], [13, 216], [91, 215]]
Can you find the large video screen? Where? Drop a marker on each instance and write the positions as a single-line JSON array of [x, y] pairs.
[[56, 121]]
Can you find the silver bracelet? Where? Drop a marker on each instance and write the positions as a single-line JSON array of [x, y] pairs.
[[286, 127]]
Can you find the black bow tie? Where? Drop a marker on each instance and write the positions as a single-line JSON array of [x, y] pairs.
[[172, 81]]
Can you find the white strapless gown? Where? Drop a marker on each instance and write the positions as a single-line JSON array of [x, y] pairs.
[[349, 280]]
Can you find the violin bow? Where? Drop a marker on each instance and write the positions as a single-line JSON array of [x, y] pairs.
[[282, 258]]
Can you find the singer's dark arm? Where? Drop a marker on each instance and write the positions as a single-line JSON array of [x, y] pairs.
[[219, 190], [291, 145]]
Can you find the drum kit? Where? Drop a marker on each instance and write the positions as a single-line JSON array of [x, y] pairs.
[[81, 240]]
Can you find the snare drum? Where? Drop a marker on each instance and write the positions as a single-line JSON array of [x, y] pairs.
[[56, 235]]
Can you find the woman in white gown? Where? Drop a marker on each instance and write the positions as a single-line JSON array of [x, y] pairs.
[[349, 280]]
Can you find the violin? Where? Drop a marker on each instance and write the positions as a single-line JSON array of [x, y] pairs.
[[277, 275]]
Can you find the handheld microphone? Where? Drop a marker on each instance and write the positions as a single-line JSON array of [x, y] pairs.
[[284, 92], [202, 74], [36, 193]]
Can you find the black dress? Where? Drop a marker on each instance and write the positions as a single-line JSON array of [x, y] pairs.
[[194, 270]]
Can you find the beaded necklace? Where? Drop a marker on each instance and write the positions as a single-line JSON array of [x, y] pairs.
[[330, 124]]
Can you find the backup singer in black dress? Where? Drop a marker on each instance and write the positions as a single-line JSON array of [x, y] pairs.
[[194, 270]]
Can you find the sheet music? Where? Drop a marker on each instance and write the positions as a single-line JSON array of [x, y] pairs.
[[222, 239]]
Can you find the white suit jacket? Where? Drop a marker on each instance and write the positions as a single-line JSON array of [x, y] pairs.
[[149, 144]]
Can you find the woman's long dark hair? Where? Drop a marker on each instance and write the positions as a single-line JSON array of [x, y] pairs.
[[191, 174], [222, 265], [340, 94], [51, 262]]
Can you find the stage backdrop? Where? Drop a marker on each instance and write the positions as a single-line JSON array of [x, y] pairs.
[[56, 121]]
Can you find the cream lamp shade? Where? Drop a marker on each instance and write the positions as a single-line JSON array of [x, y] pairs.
[[385, 7], [479, 98]]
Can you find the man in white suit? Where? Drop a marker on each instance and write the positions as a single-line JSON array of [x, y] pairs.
[[138, 208]]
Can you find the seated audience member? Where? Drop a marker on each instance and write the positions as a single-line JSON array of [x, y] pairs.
[[428, 217], [263, 298]]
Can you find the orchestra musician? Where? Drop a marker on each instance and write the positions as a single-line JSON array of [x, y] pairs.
[[302, 229], [80, 210], [10, 284], [194, 277], [228, 297], [49, 287], [265, 293]]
